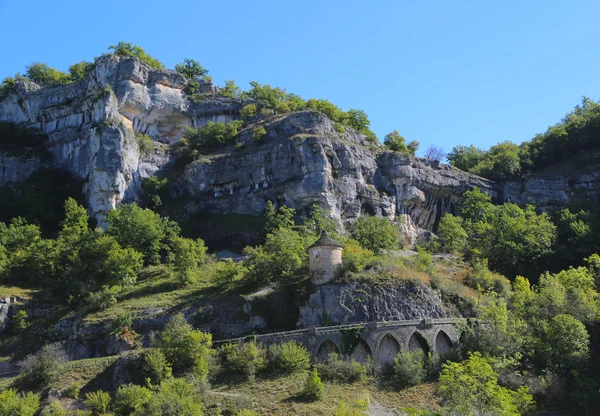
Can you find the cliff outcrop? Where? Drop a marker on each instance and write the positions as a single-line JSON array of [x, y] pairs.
[[93, 125]]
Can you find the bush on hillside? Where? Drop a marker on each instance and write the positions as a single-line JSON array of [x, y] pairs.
[[289, 357], [342, 371], [409, 368], [313, 388]]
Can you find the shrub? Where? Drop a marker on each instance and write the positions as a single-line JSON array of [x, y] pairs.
[[73, 391], [191, 69], [80, 70], [230, 90], [12, 403], [289, 357], [188, 255], [342, 371], [175, 397], [46, 76], [258, 133], [103, 299], [184, 347], [346, 410], [248, 112], [409, 368], [482, 279], [129, 49], [19, 322], [42, 368], [357, 258], [246, 358], [246, 412], [313, 388], [55, 408], [98, 402], [375, 233], [131, 399], [154, 367]]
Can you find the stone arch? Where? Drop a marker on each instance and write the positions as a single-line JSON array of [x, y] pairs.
[[361, 352], [389, 347], [327, 347], [418, 343], [443, 343]]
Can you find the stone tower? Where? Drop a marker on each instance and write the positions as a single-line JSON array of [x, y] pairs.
[[324, 259]]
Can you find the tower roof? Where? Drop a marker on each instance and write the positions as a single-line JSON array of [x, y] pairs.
[[325, 241]]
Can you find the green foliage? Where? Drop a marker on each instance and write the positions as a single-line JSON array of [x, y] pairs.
[[73, 391], [14, 404], [9, 86], [191, 69], [46, 76], [314, 387], [276, 99], [42, 368], [357, 119], [375, 233], [357, 258], [318, 222], [246, 358], [155, 192], [188, 255], [342, 371], [206, 139], [19, 322], [564, 344], [98, 402], [513, 239], [280, 260], [289, 357], [154, 367], [230, 90], [184, 347], [130, 50], [471, 388], [332, 111], [409, 368], [131, 399], [103, 298], [482, 279], [227, 273], [55, 408], [282, 217], [175, 397], [248, 112], [505, 161], [465, 157], [145, 144], [80, 70], [452, 234], [258, 133], [142, 230]]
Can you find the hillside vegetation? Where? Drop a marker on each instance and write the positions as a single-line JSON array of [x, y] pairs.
[[527, 284]]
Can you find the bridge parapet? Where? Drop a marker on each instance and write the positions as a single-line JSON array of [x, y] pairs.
[[380, 340]]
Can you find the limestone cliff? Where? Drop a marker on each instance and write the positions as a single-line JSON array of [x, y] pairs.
[[92, 126]]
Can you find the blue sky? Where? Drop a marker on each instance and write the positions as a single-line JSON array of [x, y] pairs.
[[440, 72]]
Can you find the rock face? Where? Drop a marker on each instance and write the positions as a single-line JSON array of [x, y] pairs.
[[92, 126], [355, 303], [304, 161], [573, 180]]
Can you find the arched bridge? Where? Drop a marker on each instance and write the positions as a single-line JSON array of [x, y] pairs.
[[380, 340]]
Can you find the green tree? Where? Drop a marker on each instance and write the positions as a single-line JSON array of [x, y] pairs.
[[98, 402], [330, 110], [396, 142], [230, 90], [413, 146], [318, 222], [471, 388], [452, 234], [282, 217], [188, 255], [13, 403], [143, 230], [131, 399], [258, 133], [279, 260], [175, 397], [127, 49], [375, 233], [357, 119], [80, 70], [313, 387], [154, 367], [46, 76], [409, 368], [465, 157], [564, 344], [248, 112], [191, 69], [184, 347]]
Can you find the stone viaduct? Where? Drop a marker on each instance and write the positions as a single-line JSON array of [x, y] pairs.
[[380, 340]]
